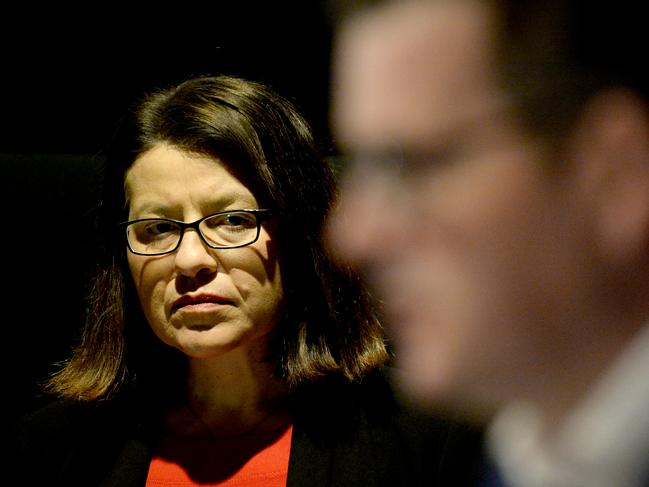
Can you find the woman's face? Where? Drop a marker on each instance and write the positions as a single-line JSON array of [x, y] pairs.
[[202, 301]]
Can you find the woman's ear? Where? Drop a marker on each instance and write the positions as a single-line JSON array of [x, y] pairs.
[[611, 151]]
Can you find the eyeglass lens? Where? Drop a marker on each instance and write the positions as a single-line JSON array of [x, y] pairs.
[[233, 229]]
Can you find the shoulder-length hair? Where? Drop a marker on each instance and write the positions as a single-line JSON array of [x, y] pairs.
[[329, 327]]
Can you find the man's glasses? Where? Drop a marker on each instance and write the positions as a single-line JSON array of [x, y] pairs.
[[223, 230]]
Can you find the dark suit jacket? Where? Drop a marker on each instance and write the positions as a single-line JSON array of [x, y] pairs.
[[344, 434]]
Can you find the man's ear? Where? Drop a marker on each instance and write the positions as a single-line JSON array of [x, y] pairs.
[[611, 150]]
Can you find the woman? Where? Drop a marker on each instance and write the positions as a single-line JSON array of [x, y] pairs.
[[222, 343]]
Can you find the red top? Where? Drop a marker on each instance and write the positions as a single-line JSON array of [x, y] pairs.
[[246, 461]]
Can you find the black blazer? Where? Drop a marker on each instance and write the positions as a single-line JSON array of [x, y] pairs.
[[344, 434]]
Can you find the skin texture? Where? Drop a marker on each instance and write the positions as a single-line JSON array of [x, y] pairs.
[[496, 272], [226, 340]]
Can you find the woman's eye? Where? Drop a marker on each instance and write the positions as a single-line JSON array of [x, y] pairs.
[[231, 220], [160, 228], [235, 220]]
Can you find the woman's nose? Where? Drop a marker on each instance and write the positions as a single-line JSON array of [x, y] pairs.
[[193, 255]]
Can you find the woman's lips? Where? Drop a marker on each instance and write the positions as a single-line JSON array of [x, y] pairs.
[[199, 302]]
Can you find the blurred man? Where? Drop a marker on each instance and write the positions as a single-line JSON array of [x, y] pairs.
[[498, 198]]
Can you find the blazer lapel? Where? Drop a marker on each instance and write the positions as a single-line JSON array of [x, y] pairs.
[[131, 467], [309, 463]]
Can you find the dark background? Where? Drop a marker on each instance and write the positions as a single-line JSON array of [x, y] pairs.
[[67, 77]]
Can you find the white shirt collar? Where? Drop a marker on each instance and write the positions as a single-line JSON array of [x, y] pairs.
[[604, 441]]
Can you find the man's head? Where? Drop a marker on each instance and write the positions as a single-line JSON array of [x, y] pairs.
[[506, 229]]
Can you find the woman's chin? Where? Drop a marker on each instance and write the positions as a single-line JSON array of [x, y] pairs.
[[205, 342]]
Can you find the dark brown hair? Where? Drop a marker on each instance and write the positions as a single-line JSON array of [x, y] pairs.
[[554, 55]]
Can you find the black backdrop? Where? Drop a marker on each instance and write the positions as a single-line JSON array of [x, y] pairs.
[[67, 76]]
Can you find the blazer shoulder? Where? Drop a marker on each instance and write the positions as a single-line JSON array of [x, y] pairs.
[[362, 433], [68, 443]]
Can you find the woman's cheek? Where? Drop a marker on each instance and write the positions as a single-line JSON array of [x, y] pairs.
[[151, 289]]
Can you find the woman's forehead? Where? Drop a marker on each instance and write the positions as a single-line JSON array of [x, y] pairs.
[[166, 177]]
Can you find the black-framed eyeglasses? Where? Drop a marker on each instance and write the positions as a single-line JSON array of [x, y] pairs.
[[223, 230]]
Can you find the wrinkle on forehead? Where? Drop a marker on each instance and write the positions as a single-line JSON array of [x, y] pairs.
[[165, 181]]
